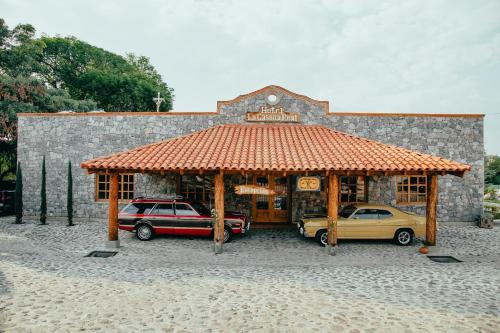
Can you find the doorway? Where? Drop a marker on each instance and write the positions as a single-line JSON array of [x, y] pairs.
[[271, 208]]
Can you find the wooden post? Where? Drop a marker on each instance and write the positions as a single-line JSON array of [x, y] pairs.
[[333, 208], [113, 212], [219, 208], [431, 211]]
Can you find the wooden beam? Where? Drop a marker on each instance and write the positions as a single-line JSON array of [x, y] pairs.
[[219, 208], [431, 211], [113, 209], [333, 207]]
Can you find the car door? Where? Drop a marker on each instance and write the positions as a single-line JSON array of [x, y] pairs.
[[363, 224], [163, 219], [189, 221], [133, 212], [388, 224]]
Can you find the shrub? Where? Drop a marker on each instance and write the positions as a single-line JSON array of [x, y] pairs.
[[43, 195], [69, 203], [19, 195]]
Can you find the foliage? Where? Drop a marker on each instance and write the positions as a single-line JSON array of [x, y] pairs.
[[488, 189], [69, 202], [215, 223], [89, 72], [21, 94], [492, 169], [19, 195], [51, 74], [43, 195]]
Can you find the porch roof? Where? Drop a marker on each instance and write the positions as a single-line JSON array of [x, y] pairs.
[[273, 147]]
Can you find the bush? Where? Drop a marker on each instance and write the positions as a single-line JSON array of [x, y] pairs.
[[43, 195], [69, 203], [19, 195]]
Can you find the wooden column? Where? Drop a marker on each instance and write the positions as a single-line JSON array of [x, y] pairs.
[[431, 211], [333, 208], [113, 210], [219, 208]]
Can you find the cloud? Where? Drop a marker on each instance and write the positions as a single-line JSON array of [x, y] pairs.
[[372, 56]]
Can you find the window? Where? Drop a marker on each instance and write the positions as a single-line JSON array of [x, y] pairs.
[[138, 208], [411, 189], [384, 214], [347, 211], [125, 186], [201, 209], [352, 189], [164, 209], [366, 214], [196, 188], [183, 209]]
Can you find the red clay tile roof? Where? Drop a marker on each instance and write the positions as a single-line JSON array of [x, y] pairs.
[[283, 147]]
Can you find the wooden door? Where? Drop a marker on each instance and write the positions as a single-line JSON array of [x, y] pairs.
[[271, 208]]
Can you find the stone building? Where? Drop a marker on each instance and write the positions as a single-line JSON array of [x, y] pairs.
[[80, 137]]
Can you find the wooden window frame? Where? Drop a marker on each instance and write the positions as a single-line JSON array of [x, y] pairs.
[[365, 190], [123, 178], [407, 192], [207, 196]]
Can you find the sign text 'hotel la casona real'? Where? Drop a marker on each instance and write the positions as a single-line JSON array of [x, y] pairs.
[[273, 114]]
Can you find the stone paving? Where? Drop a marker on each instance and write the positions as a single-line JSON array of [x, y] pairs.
[[267, 281]]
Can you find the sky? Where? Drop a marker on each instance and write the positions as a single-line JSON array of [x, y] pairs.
[[363, 56]]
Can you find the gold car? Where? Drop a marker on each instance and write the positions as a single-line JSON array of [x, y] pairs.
[[367, 221]]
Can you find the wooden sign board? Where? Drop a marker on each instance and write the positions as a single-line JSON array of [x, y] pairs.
[[273, 114], [252, 189], [309, 184]]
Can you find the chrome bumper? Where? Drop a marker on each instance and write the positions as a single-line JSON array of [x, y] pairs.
[[246, 228], [301, 229]]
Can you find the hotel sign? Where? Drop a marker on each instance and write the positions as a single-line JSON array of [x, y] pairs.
[[252, 189], [273, 114], [308, 184]]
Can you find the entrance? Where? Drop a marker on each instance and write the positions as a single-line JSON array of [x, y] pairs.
[[271, 208]]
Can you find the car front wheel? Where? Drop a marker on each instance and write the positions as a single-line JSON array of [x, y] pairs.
[[322, 237], [144, 232], [403, 237]]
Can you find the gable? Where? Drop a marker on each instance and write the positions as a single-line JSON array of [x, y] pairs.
[[273, 104]]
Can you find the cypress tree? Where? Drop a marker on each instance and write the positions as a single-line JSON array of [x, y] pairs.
[[69, 203], [43, 194], [19, 195]]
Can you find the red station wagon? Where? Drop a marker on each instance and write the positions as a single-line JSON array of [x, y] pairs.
[[149, 217]]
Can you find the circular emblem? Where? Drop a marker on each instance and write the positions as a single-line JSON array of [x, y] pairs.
[[272, 98]]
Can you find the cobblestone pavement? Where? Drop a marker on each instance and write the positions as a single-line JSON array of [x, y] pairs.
[[267, 281]]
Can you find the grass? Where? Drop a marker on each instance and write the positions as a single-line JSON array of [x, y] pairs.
[[492, 200]]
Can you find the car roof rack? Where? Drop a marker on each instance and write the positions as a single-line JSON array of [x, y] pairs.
[[168, 197]]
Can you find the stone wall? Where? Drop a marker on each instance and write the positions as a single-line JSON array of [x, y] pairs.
[[80, 137]]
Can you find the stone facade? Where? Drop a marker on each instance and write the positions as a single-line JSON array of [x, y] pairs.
[[80, 137]]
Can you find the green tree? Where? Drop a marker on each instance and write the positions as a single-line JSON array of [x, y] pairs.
[[492, 169], [27, 95], [69, 202], [89, 72], [19, 50], [43, 196], [50, 74], [19, 195]]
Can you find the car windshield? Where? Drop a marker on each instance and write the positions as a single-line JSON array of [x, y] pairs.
[[200, 208], [347, 211]]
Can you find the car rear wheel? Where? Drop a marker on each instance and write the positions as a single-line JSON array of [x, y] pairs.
[[403, 237], [144, 232], [228, 235], [322, 237]]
